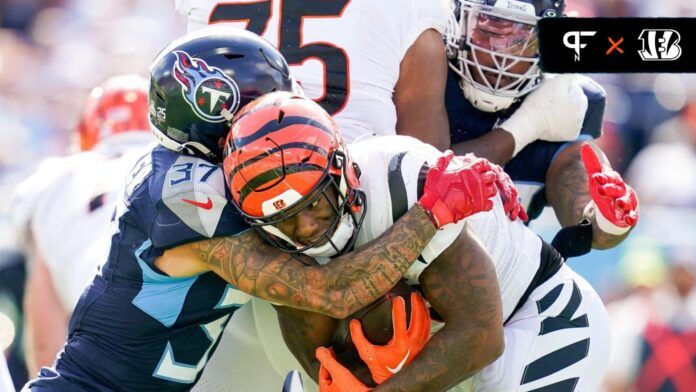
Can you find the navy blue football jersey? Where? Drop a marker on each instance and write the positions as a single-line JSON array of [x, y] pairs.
[[136, 328], [528, 168]]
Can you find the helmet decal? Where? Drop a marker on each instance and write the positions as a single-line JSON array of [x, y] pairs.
[[208, 90]]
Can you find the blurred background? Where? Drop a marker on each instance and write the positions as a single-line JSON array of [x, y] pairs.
[[52, 52]]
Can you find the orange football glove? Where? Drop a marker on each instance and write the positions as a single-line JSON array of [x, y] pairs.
[[385, 361], [334, 377]]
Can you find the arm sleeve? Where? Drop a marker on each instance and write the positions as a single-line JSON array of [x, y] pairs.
[[532, 163]]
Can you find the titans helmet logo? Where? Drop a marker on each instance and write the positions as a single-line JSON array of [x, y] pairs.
[[206, 89]]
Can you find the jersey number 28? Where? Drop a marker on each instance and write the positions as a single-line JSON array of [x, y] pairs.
[[292, 12]]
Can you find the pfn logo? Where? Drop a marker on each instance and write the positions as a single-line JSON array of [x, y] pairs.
[[575, 43], [660, 45]]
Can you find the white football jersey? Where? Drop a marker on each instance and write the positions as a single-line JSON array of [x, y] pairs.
[[393, 171], [66, 208], [346, 54]]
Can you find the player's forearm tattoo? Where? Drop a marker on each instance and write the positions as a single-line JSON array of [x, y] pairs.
[[339, 288], [462, 286], [568, 193]]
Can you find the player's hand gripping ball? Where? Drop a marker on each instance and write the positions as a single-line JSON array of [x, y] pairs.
[[387, 360], [334, 377]]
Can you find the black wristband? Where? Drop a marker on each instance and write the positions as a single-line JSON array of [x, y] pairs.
[[574, 241]]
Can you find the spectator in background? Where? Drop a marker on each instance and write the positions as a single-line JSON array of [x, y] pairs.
[[654, 326], [664, 173]]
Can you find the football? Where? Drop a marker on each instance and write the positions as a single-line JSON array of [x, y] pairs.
[[376, 319]]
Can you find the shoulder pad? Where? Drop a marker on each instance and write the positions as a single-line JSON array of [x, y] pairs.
[[194, 191]]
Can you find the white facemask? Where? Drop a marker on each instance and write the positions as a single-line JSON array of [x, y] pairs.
[[340, 237]]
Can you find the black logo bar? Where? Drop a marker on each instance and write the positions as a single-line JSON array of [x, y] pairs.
[[587, 45]]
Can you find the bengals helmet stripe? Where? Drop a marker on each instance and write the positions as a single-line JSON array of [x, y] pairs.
[[272, 126], [269, 179], [282, 153], [251, 161]]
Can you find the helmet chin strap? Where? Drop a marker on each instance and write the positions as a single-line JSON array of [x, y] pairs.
[[339, 239], [484, 100]]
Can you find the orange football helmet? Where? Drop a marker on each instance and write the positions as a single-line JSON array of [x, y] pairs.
[[118, 105], [284, 152]]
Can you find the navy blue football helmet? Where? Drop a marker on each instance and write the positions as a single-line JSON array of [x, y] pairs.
[[199, 81], [492, 46]]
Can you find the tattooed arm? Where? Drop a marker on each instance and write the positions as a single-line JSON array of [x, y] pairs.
[[337, 289], [462, 286], [568, 193]]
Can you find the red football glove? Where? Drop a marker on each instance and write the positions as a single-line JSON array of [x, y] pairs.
[[615, 202], [508, 193], [334, 377], [385, 361], [456, 187]]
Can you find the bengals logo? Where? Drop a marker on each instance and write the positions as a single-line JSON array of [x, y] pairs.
[[660, 45], [279, 204]]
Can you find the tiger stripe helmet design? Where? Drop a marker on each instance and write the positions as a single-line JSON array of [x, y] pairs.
[[283, 152]]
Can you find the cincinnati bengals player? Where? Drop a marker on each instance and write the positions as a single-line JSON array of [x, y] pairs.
[[62, 211], [378, 67], [182, 260], [555, 326]]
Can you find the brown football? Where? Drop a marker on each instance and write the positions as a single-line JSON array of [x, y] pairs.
[[375, 318]]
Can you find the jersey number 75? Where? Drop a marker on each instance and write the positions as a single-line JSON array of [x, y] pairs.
[[257, 14]]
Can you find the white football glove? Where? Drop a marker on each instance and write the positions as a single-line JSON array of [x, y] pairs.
[[553, 112]]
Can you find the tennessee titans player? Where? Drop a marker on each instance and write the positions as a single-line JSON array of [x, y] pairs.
[[500, 106], [182, 260]]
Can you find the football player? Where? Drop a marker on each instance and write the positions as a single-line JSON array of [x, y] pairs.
[[62, 211], [378, 67], [501, 107], [363, 58], [182, 260], [555, 334]]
